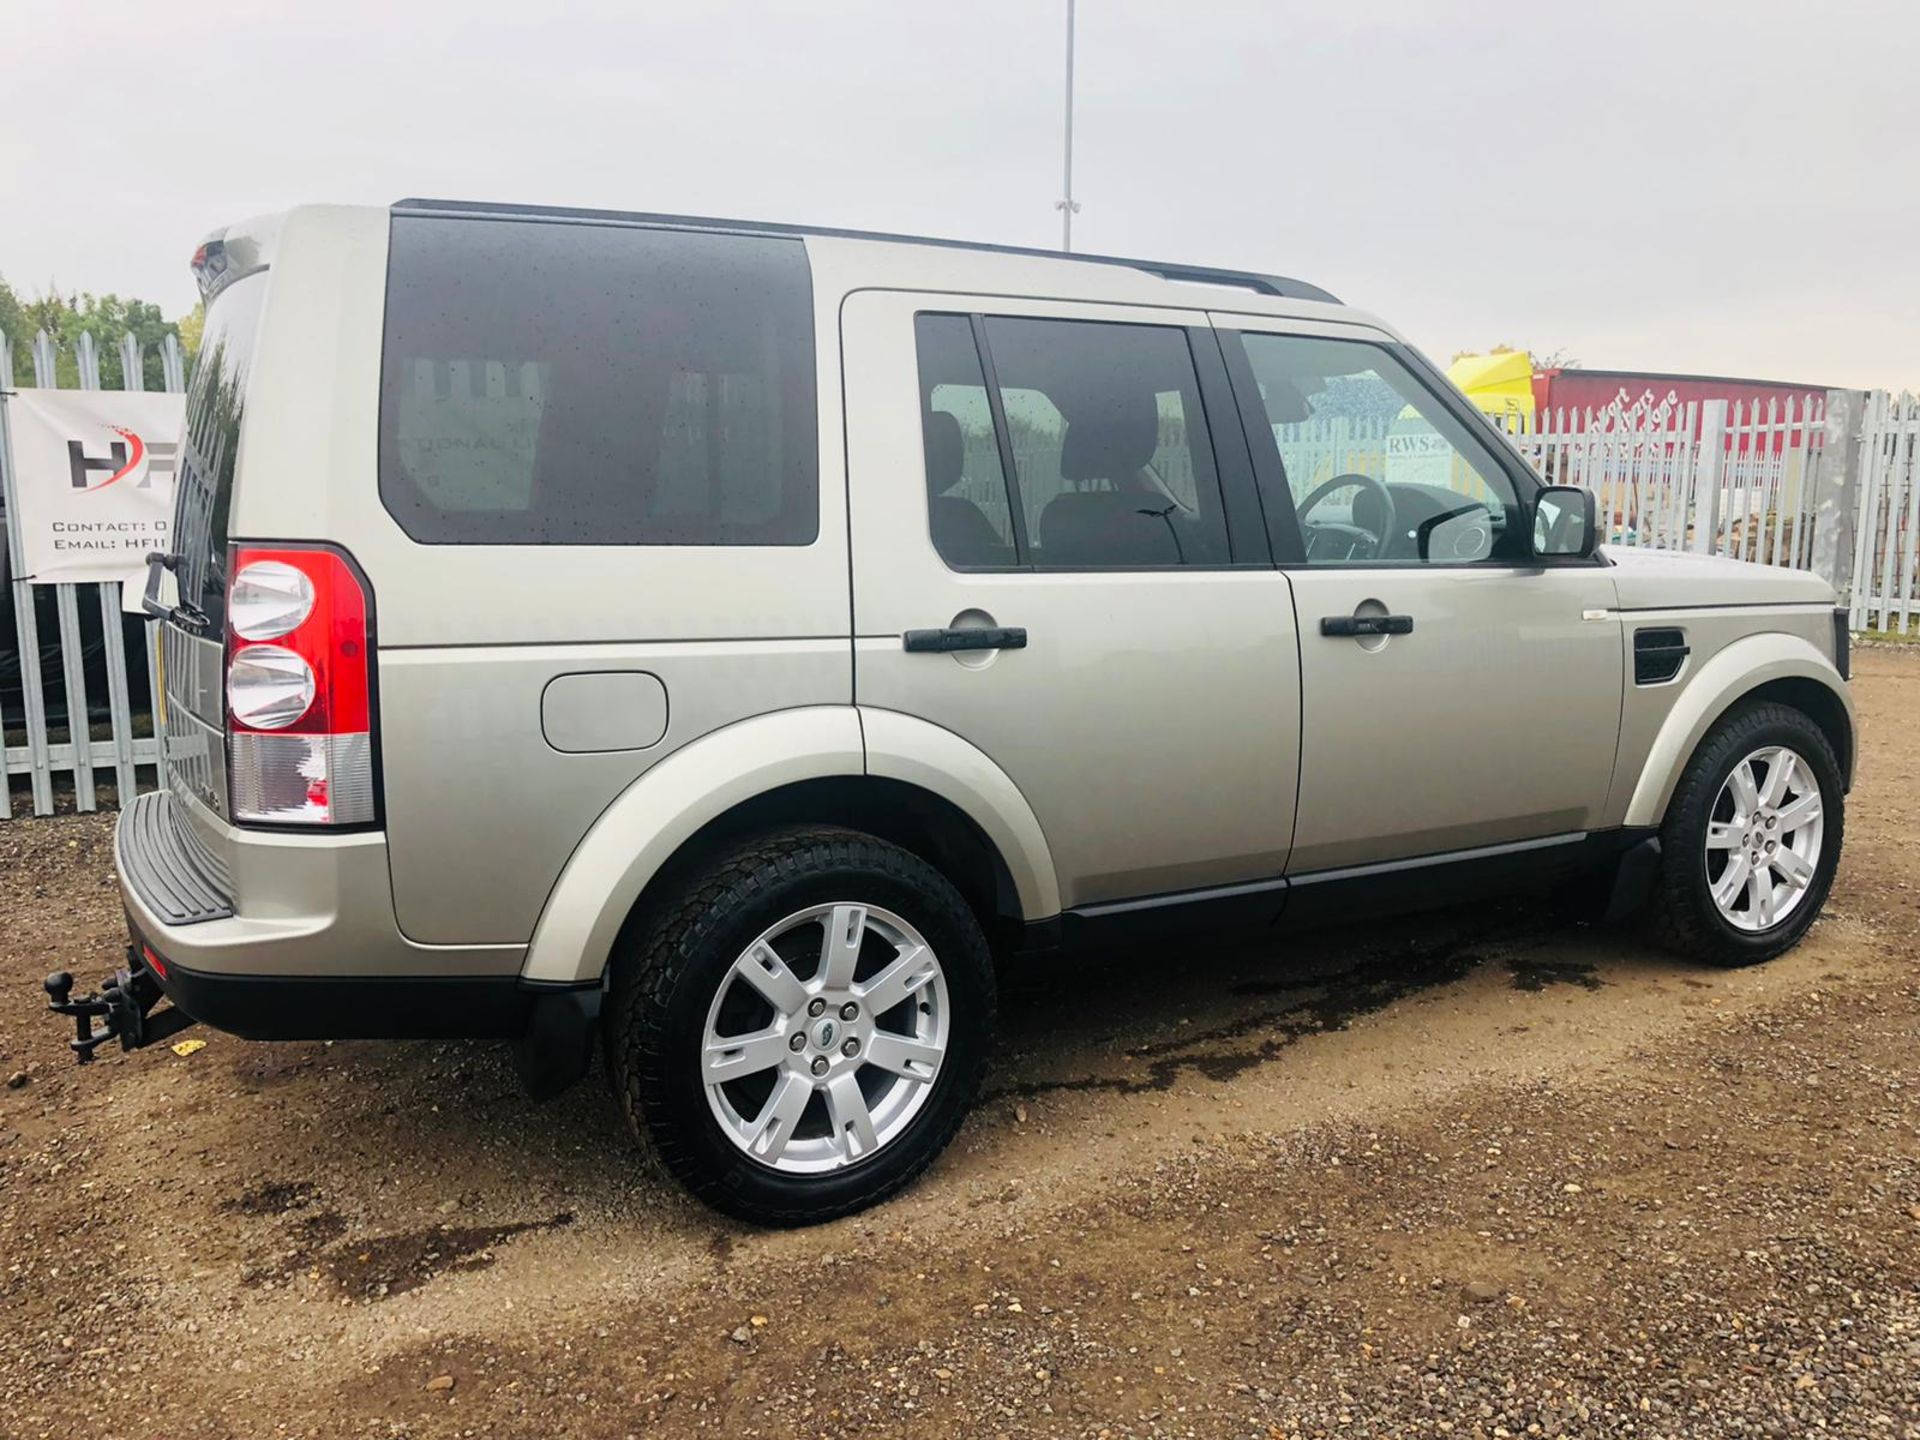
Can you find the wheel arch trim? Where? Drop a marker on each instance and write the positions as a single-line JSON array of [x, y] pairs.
[[906, 748], [661, 810], [646, 825], [1723, 681]]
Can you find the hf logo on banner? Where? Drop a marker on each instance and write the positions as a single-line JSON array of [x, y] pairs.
[[130, 456]]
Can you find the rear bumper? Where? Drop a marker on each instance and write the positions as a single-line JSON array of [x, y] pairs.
[[167, 864], [225, 902], [320, 958], [552, 1025], [349, 1007]]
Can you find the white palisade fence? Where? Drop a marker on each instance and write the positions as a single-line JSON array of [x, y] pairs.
[[1830, 483], [1887, 521], [73, 652], [1734, 479]]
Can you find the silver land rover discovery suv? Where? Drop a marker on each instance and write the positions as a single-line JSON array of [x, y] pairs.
[[724, 640]]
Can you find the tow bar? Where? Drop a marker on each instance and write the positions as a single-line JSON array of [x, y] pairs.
[[122, 1006]]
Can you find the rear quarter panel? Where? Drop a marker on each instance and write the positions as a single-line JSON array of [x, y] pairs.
[[481, 812]]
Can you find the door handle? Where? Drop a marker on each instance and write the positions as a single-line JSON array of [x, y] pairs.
[[1355, 625], [1006, 637]]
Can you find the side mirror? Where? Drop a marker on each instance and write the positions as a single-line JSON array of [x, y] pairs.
[[1566, 523]]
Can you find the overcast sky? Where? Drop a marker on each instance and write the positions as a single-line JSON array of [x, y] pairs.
[[1724, 188]]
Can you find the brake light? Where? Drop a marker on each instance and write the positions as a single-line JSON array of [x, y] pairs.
[[158, 965], [209, 265], [298, 688]]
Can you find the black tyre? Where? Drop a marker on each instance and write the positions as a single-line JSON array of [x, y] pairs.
[[1751, 839], [801, 1026]]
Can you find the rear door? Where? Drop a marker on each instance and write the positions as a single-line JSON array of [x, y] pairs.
[[1074, 472], [1491, 718], [193, 654]]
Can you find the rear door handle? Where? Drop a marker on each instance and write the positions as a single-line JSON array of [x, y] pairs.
[[1007, 637], [1366, 625]]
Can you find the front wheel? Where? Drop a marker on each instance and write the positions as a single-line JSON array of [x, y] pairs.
[[802, 1029], [1751, 839]]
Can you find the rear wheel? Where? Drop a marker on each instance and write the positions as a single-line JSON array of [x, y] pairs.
[[801, 1031], [1751, 839]]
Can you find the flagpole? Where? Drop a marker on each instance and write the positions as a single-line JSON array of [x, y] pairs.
[[1066, 205]]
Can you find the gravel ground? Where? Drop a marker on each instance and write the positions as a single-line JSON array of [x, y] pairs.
[[1471, 1175]]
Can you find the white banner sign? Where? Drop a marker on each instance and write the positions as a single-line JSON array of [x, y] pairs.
[[92, 481]]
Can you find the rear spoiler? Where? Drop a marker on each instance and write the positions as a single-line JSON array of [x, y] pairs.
[[233, 253]]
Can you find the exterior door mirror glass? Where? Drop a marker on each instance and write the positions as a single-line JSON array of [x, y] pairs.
[[1565, 522]]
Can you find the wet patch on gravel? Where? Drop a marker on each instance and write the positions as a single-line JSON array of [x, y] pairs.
[[271, 1197], [389, 1265], [299, 1246], [1326, 1004], [1535, 973]]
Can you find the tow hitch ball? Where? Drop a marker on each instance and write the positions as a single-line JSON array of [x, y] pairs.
[[121, 1006]]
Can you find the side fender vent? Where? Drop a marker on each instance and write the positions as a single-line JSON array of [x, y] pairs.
[[1658, 655]]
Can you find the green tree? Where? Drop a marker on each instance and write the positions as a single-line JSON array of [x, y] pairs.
[[105, 317], [13, 325], [190, 326]]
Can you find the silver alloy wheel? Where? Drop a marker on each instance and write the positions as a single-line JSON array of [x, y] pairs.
[[847, 1014], [1763, 839]]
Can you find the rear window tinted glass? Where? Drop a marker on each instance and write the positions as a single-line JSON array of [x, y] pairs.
[[549, 384], [210, 443]]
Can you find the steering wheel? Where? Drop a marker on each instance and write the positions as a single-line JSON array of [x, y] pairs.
[[1357, 536]]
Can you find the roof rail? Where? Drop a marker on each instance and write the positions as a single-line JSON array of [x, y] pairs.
[[1281, 286]]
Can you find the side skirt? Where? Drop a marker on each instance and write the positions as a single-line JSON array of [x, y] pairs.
[[1328, 897]]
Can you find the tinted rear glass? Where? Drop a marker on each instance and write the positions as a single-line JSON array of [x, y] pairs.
[[559, 384], [203, 489]]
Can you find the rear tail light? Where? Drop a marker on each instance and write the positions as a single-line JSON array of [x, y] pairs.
[[270, 598], [299, 686], [269, 687]]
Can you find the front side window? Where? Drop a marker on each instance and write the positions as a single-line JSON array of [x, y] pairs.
[[1377, 469], [547, 384]]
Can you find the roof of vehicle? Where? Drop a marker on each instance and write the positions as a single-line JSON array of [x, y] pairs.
[[1278, 286]]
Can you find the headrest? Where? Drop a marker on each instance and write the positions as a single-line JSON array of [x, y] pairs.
[[1104, 527], [1286, 403], [1110, 440], [946, 451]]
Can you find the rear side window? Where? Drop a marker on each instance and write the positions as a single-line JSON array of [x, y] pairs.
[[549, 384], [1110, 444], [968, 510], [1113, 465]]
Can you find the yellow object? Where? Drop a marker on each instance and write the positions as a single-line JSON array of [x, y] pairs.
[[187, 1047], [160, 672], [1499, 384]]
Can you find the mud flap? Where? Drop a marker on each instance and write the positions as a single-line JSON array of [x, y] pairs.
[[1633, 879], [557, 1046]]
